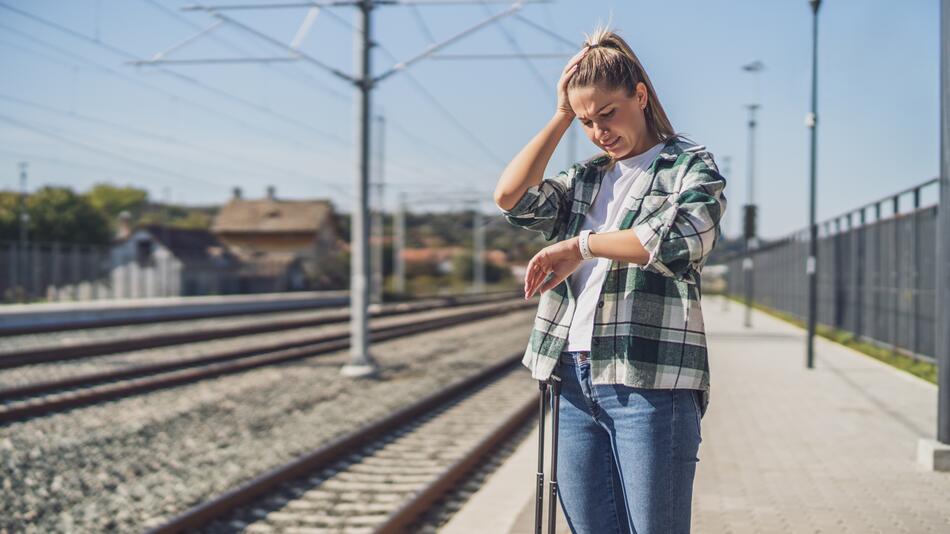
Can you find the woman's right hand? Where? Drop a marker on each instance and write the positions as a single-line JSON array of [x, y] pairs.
[[563, 105]]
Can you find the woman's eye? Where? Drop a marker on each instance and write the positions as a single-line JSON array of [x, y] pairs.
[[609, 113]]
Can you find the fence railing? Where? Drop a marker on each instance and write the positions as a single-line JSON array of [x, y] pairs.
[[56, 272], [876, 273]]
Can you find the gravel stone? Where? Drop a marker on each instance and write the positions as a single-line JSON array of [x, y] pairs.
[[130, 464]]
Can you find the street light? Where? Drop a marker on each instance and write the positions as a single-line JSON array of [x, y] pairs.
[[811, 121], [749, 210]]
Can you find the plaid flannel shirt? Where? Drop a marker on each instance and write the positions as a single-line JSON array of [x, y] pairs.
[[648, 326]]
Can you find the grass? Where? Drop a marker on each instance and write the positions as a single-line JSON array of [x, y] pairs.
[[925, 370]]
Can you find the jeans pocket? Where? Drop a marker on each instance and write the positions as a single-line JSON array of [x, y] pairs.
[[697, 396]]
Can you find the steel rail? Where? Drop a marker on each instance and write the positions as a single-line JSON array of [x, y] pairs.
[[49, 354], [288, 307], [322, 457], [218, 365]]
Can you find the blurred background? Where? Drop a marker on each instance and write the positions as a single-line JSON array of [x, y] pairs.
[[184, 221], [121, 179]]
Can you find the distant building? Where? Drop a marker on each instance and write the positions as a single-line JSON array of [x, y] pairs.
[[160, 261], [440, 258], [282, 244]]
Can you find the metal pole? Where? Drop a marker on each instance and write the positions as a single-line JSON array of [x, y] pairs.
[[478, 274], [943, 235], [750, 243], [361, 362], [23, 266], [811, 266], [378, 231], [399, 244], [727, 172]]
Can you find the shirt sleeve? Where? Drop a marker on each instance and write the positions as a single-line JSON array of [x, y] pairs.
[[684, 226], [545, 207]]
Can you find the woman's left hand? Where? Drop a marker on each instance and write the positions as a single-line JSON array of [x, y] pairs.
[[560, 259]]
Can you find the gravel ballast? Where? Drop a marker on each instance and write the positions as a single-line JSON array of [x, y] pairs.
[[129, 464]]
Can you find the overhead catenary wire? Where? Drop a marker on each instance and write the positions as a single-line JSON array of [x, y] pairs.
[[310, 82], [162, 138], [154, 88], [102, 152], [176, 75]]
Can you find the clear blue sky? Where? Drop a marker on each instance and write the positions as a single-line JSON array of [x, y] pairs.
[[192, 138]]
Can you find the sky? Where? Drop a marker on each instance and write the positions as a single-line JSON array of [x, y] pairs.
[[74, 107]]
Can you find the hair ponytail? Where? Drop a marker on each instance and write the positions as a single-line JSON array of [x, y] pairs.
[[611, 64]]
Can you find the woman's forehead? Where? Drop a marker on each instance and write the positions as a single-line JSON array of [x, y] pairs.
[[588, 101]]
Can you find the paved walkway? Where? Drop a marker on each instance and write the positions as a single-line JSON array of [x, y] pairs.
[[787, 449]]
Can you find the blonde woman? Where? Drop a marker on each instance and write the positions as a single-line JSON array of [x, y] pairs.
[[619, 321]]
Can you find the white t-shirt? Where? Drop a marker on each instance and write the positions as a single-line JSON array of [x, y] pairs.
[[604, 216]]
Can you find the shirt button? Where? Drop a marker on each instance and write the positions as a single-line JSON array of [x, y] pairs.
[[600, 304], [595, 341]]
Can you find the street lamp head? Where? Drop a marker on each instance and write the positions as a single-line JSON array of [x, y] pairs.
[[755, 66]]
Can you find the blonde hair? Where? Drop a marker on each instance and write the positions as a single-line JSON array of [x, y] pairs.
[[611, 64]]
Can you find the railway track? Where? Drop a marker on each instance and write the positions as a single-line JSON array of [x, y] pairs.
[[384, 477], [41, 398], [56, 353]]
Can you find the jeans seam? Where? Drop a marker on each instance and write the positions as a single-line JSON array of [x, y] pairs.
[[669, 500], [613, 496]]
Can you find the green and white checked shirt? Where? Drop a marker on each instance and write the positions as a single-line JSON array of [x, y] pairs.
[[648, 327]]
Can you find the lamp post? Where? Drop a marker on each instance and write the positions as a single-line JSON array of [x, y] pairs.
[[934, 454], [811, 265], [749, 210], [943, 230]]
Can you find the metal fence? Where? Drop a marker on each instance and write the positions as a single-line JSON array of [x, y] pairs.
[[53, 271], [56, 272], [876, 273]]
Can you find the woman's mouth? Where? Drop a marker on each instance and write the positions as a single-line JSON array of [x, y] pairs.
[[611, 144]]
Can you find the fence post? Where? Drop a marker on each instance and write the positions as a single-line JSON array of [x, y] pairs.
[[862, 264], [936, 454], [943, 233]]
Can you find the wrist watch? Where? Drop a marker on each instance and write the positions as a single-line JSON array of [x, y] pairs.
[[584, 244]]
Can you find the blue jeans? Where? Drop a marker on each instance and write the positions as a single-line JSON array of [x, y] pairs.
[[626, 455]]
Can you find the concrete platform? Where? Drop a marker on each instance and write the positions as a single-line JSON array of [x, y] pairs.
[[21, 318], [785, 449]]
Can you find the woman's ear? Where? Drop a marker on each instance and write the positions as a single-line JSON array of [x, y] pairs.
[[643, 96]]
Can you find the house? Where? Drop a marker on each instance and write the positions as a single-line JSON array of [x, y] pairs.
[[161, 261], [282, 244]]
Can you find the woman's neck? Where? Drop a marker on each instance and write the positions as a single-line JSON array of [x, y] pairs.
[[646, 143]]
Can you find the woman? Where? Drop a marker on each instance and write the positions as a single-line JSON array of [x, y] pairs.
[[619, 322]]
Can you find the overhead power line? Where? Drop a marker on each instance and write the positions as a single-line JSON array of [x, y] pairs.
[[176, 75]]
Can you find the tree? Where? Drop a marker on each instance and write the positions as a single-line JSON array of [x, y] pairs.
[[9, 211], [59, 214], [113, 200]]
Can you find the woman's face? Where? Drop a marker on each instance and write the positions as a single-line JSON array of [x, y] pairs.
[[613, 121]]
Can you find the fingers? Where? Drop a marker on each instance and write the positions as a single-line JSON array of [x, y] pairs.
[[575, 59], [550, 284], [572, 64], [534, 275]]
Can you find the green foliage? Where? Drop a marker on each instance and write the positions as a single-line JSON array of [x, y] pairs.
[[55, 214], [9, 227], [113, 200], [59, 214], [463, 269]]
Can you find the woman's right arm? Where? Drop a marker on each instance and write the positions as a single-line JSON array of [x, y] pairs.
[[526, 199], [527, 168]]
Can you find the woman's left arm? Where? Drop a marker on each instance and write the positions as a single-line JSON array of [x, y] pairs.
[[674, 241]]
